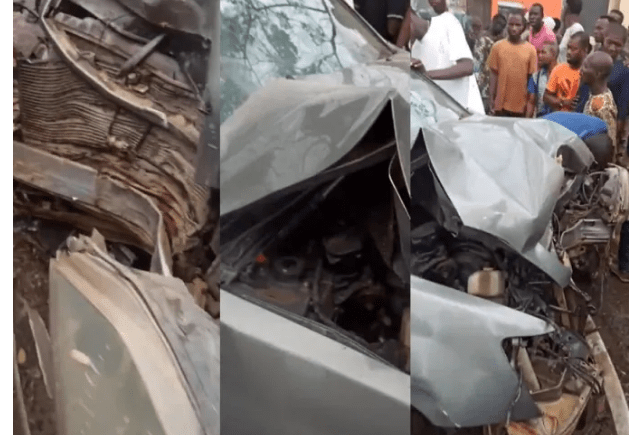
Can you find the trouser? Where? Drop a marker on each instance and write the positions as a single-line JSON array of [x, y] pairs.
[[509, 114], [624, 248]]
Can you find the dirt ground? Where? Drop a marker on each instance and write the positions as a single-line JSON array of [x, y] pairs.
[[614, 324], [30, 284], [613, 321]]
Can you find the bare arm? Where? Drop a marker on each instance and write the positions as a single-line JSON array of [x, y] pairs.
[[404, 31], [530, 106], [492, 90], [554, 101], [393, 27], [463, 68], [622, 130]]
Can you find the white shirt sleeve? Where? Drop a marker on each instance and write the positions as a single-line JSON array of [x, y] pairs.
[[457, 45]]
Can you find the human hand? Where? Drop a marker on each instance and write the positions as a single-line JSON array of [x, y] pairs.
[[491, 107], [574, 103]]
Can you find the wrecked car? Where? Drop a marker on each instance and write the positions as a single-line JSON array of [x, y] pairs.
[[115, 163], [313, 200], [502, 211]]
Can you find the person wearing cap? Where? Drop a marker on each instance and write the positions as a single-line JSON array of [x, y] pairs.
[[551, 23]]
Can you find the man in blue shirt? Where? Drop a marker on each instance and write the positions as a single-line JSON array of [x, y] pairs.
[[619, 81]]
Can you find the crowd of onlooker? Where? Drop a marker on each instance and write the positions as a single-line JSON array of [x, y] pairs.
[[529, 65], [523, 64], [526, 64]]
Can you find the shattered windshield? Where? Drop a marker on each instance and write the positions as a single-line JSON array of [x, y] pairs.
[[265, 39]]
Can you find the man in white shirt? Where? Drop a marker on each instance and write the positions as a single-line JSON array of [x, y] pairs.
[[571, 21], [444, 56]]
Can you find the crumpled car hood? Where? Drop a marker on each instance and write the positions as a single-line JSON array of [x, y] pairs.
[[291, 130], [460, 376], [502, 177]]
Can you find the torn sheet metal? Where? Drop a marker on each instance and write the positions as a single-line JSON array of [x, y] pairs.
[[142, 130], [387, 73], [113, 14], [132, 351], [131, 210], [286, 386], [27, 33], [503, 178], [290, 131], [270, 125], [127, 98], [182, 15], [456, 353]]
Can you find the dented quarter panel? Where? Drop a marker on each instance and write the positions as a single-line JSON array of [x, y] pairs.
[[460, 375]]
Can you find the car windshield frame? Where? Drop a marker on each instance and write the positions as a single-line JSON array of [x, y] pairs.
[[241, 55]]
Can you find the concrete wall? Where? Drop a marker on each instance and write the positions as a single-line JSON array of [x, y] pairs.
[[623, 6]]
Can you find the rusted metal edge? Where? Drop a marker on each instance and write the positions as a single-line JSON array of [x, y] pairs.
[[24, 421], [121, 51], [612, 386], [77, 182], [140, 55], [127, 99]]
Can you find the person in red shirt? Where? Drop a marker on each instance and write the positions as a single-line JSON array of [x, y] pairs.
[[540, 34], [563, 84]]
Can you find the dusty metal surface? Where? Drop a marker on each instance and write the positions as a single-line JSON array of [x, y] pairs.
[[107, 134], [129, 318], [293, 379], [142, 129], [82, 184], [183, 15]]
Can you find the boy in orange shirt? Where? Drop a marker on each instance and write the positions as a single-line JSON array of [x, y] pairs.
[[563, 84], [511, 61]]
